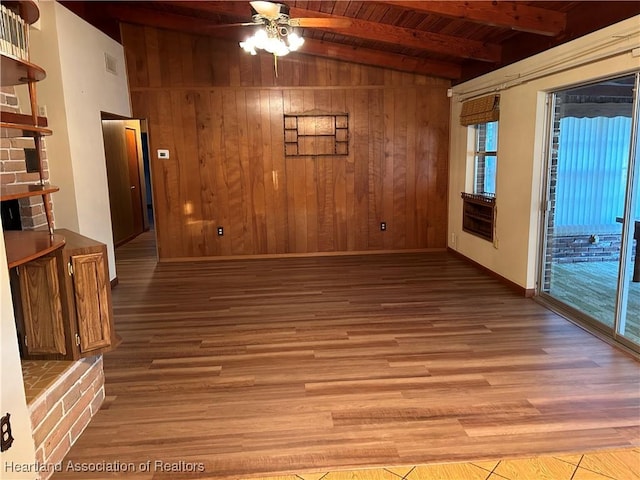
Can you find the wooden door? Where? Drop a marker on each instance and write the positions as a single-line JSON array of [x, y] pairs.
[[91, 291], [134, 179], [41, 307], [115, 149]]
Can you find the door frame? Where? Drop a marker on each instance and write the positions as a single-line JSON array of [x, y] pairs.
[[628, 229], [142, 174]]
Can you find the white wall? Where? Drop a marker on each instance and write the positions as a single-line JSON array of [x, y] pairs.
[[521, 144], [12, 397], [77, 89]]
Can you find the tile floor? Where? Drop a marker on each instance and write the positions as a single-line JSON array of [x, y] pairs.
[[39, 374], [604, 465]]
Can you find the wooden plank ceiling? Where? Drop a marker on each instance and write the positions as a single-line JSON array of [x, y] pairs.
[[457, 40]]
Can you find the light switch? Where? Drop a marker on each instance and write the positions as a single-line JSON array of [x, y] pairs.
[[163, 154]]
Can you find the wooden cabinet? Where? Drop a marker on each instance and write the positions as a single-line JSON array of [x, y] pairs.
[[86, 294], [63, 301], [478, 215], [37, 296], [59, 279]]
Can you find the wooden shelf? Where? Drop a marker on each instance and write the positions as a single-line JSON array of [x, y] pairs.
[[12, 192], [28, 9], [330, 137], [26, 245], [21, 125], [14, 71], [17, 130], [22, 119]]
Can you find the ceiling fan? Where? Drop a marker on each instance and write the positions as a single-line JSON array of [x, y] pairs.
[[262, 11], [276, 34]]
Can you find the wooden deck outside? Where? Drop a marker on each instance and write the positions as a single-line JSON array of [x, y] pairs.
[[264, 367]]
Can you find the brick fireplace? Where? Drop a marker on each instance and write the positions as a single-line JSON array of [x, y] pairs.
[[13, 169]]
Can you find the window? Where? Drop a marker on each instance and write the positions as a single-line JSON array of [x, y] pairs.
[[481, 116], [486, 158]]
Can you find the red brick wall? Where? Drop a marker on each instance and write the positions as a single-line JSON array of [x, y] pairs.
[[13, 168], [60, 415]]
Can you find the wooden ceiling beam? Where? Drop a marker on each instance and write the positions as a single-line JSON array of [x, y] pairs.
[[511, 15], [394, 61], [170, 21], [200, 26], [411, 38], [373, 31]]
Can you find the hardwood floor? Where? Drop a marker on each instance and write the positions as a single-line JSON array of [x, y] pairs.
[[266, 367]]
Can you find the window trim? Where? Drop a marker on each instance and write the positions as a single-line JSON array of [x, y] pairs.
[[479, 159]]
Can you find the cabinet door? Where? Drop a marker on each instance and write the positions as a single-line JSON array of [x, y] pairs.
[[41, 307], [91, 292]]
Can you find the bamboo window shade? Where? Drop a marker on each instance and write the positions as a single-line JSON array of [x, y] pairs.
[[480, 110]]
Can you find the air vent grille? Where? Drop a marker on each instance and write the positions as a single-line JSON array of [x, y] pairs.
[[110, 64]]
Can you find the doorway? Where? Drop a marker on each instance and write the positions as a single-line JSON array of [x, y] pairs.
[[126, 175], [590, 265]]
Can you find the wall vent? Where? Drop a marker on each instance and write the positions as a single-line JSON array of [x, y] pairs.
[[110, 64]]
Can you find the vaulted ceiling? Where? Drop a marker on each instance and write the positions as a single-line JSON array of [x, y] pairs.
[[457, 40]]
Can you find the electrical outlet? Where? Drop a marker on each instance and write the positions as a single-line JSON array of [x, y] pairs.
[[220, 231], [383, 226], [453, 239]]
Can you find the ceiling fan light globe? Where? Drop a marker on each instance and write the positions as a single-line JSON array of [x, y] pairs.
[[269, 45], [295, 41], [260, 37], [276, 46], [247, 47]]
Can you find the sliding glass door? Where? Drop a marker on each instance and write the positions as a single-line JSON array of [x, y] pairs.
[[628, 321], [592, 222]]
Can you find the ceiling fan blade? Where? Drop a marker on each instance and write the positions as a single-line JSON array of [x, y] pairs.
[[246, 24], [320, 22], [266, 9]]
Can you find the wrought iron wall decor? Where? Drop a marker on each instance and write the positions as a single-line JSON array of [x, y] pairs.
[[316, 134]]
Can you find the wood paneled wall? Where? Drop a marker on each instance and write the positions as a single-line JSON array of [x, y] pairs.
[[220, 113]]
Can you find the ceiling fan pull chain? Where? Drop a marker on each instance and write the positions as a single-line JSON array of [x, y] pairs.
[[275, 64]]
